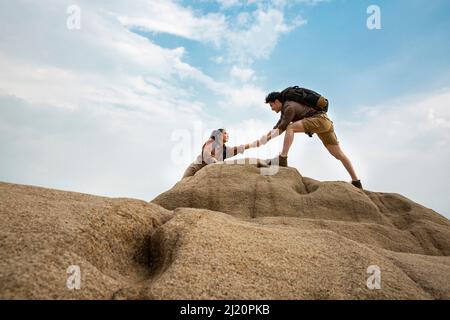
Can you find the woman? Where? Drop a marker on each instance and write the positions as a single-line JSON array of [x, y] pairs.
[[214, 150]]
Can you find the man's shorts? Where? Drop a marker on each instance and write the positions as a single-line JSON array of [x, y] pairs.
[[323, 127]]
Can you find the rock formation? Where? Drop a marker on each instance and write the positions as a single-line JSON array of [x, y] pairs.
[[229, 232]]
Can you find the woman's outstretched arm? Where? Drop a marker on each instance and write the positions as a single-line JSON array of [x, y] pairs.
[[233, 151]]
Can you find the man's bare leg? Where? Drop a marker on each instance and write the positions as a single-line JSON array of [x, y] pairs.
[[337, 152], [289, 136]]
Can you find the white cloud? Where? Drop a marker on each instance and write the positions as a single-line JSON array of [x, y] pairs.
[[408, 145], [228, 3], [169, 17], [101, 63], [242, 18], [242, 74], [253, 36], [258, 41], [243, 97]]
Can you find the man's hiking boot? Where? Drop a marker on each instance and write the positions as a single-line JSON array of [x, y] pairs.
[[278, 161], [357, 184], [282, 161]]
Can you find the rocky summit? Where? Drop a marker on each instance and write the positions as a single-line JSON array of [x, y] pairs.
[[229, 232]]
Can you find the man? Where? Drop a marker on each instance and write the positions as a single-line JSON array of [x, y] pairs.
[[309, 117]]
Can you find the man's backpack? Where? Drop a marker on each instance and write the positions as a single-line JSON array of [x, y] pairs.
[[305, 96]]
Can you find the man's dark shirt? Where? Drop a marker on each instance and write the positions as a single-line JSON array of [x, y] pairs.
[[292, 111]]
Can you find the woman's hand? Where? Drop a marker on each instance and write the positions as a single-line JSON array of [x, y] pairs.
[[267, 137], [254, 144]]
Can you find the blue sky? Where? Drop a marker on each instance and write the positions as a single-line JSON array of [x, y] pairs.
[[338, 55], [121, 106]]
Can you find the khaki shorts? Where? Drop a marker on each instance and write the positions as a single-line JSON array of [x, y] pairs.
[[323, 127]]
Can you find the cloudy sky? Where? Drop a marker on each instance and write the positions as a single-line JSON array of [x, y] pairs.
[[121, 105]]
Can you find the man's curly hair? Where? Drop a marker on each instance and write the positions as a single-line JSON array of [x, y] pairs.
[[271, 97]]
